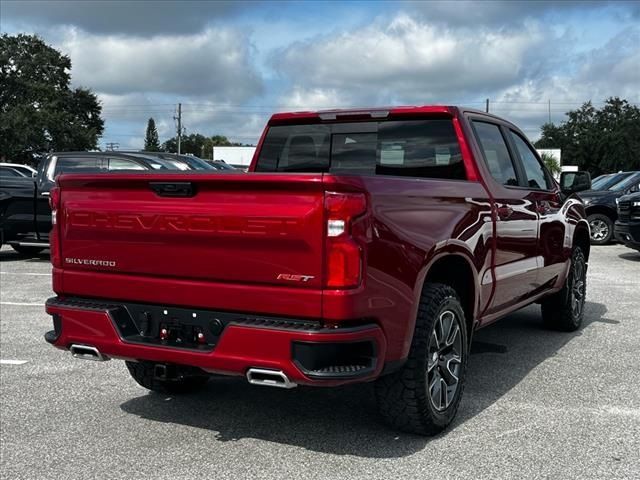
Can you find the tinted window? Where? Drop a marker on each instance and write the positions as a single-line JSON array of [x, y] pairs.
[[123, 164], [195, 163], [77, 165], [9, 172], [536, 176], [627, 184], [421, 148], [496, 153]]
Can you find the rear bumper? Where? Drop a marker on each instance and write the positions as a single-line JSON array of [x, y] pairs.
[[305, 351], [628, 233]]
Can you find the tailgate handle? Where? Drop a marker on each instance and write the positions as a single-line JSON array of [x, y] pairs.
[[173, 189]]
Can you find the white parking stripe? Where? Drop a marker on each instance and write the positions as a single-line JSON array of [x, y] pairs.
[[23, 304], [12, 362], [25, 273]]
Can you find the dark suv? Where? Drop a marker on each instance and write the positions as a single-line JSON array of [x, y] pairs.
[[601, 207], [627, 228]]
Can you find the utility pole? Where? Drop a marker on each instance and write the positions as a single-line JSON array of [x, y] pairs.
[[179, 119], [111, 146], [487, 107], [549, 110]]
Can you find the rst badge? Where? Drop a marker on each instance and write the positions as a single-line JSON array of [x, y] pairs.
[[295, 278]]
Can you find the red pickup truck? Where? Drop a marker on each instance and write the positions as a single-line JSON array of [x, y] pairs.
[[363, 246]]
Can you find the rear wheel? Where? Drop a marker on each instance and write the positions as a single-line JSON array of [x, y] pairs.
[[423, 397], [177, 379], [601, 228], [565, 310], [30, 251]]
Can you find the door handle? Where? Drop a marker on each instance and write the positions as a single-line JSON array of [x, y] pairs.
[[173, 189], [505, 211]]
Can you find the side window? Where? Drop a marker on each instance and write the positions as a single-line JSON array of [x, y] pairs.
[[76, 165], [123, 164], [536, 176], [496, 153], [9, 172]]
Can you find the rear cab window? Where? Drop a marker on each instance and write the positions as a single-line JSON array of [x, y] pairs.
[[414, 148]]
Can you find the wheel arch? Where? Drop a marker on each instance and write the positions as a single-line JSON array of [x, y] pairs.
[[602, 210], [455, 268], [582, 238]]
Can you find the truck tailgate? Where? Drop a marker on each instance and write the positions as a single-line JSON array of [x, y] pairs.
[[265, 230]]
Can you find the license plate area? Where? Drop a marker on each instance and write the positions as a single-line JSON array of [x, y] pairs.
[[169, 326]]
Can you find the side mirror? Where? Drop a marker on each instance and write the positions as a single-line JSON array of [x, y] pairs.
[[572, 182]]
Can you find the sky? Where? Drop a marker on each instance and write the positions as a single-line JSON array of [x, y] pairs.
[[232, 64]]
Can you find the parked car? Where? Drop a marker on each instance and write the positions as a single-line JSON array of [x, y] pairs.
[[6, 171], [221, 165], [601, 207], [604, 182], [23, 170], [25, 215], [362, 246], [192, 161], [627, 226], [180, 162]]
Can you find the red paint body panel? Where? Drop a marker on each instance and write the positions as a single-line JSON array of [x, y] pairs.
[[244, 242], [239, 349]]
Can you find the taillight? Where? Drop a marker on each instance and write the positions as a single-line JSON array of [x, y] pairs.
[[344, 262], [54, 245]]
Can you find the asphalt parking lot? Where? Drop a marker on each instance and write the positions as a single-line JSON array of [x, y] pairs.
[[537, 404]]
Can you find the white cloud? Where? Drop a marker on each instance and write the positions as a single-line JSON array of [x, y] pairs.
[[216, 64], [406, 60]]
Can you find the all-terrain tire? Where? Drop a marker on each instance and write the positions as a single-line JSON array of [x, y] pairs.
[[144, 374], [601, 227], [404, 397], [564, 310], [27, 251]]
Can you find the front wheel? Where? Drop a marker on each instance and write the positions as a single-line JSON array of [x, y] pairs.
[[423, 397], [565, 310], [601, 228]]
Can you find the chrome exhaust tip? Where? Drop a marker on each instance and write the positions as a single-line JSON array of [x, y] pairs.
[[269, 378], [87, 352]]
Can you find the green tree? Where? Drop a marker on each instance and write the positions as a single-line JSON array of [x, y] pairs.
[[598, 140], [151, 142], [551, 163], [198, 144], [39, 112]]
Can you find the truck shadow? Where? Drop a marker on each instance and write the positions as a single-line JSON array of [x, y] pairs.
[[633, 256], [10, 255], [344, 420]]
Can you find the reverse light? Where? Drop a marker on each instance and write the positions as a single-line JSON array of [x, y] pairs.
[[344, 255], [335, 228]]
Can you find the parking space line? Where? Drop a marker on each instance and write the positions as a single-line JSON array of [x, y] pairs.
[[23, 304], [26, 273], [13, 362]]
